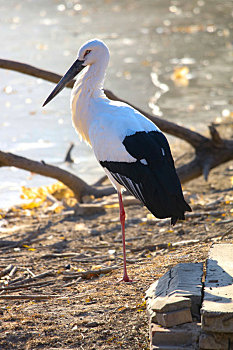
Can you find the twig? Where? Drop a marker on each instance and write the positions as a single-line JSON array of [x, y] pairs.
[[73, 282], [59, 255], [101, 246], [150, 247], [183, 243], [28, 297], [130, 239], [91, 258], [13, 229], [204, 213], [68, 155], [227, 232], [100, 181], [13, 271], [84, 274], [215, 135], [223, 222], [165, 222], [30, 279], [6, 270], [30, 272], [28, 285], [5, 243]]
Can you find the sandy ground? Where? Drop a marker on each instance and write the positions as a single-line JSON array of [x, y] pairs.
[[57, 256]]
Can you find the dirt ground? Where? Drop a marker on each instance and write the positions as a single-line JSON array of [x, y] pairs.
[[65, 302]]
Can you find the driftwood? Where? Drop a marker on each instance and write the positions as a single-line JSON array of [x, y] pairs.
[[208, 152]]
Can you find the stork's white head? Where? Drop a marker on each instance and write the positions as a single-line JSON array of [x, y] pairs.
[[94, 51]]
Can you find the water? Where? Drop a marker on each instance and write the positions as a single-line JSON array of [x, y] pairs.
[[147, 40]]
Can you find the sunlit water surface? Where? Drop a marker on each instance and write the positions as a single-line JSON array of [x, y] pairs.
[[147, 39]]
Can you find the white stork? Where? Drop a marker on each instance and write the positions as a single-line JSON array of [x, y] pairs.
[[132, 150]]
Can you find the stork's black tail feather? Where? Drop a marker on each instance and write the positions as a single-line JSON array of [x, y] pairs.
[[163, 200], [152, 178], [174, 220]]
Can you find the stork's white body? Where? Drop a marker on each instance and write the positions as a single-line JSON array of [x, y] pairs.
[[132, 150], [106, 126], [101, 122]]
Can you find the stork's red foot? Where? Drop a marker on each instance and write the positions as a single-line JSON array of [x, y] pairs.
[[125, 279]]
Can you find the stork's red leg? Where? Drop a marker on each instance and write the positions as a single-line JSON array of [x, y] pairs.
[[122, 219]]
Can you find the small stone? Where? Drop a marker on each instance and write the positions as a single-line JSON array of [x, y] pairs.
[[217, 307], [182, 336], [89, 209], [91, 324], [215, 341], [170, 303], [174, 318]]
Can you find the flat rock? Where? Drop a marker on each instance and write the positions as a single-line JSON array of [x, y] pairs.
[[215, 341], [180, 337], [177, 288], [89, 209], [170, 303], [168, 347], [217, 307], [173, 318]]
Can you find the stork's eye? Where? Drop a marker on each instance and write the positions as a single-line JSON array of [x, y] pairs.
[[86, 53]]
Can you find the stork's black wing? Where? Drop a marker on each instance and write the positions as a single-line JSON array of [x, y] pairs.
[[152, 178]]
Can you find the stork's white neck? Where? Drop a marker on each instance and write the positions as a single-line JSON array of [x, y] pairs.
[[89, 85]]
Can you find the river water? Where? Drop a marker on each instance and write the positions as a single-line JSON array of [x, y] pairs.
[[170, 57]]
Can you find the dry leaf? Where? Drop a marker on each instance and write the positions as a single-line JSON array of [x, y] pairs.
[[114, 205], [179, 76]]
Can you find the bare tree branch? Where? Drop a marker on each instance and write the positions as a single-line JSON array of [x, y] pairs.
[[191, 137], [33, 71], [78, 186], [209, 152]]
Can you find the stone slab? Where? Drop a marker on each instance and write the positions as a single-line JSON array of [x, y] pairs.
[[165, 347], [217, 307], [151, 314], [183, 280], [182, 336], [174, 318], [216, 341], [170, 303]]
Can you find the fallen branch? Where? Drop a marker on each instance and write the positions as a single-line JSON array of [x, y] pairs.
[[91, 273], [13, 271], [28, 297], [6, 270], [209, 152], [6, 243], [192, 215], [76, 257], [28, 285], [73, 282], [78, 186], [227, 233], [30, 279], [59, 255]]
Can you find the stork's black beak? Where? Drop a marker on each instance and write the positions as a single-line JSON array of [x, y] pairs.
[[76, 68]]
